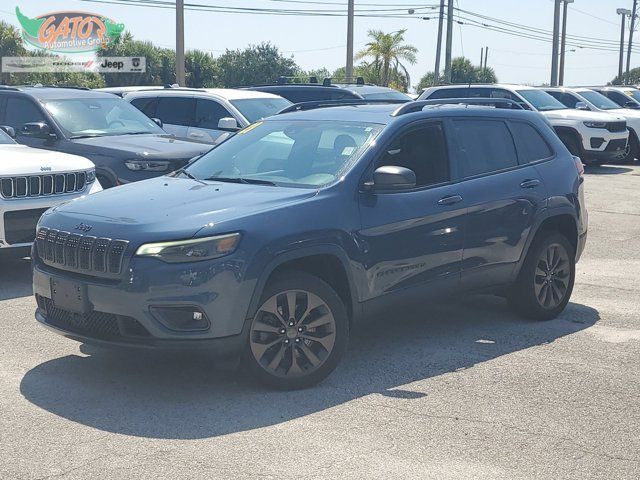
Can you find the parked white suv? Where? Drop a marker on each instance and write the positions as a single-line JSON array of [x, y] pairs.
[[33, 180], [582, 98], [205, 115], [595, 137]]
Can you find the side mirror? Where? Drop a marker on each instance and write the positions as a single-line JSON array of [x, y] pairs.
[[157, 121], [631, 104], [8, 130], [582, 106], [228, 124], [391, 177], [37, 130]]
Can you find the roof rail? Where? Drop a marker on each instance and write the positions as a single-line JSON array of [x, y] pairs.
[[9, 87], [282, 80], [347, 80], [411, 107], [40, 85], [296, 107]]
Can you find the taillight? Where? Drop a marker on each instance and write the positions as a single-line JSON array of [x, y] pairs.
[[579, 165]]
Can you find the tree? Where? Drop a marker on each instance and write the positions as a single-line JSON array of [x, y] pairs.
[[388, 51], [201, 69], [462, 71], [633, 78], [253, 65]]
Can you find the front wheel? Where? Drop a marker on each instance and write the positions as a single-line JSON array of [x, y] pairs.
[[631, 152], [298, 334], [546, 280]]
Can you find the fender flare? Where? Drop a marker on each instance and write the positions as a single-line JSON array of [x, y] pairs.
[[299, 253]]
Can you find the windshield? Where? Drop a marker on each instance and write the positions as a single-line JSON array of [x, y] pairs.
[[599, 100], [386, 96], [99, 117], [254, 109], [541, 101], [306, 154], [4, 138], [633, 93]]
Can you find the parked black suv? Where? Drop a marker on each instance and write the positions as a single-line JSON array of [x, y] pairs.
[[123, 143], [309, 91]]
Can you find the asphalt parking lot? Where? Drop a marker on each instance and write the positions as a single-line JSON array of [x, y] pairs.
[[465, 390]]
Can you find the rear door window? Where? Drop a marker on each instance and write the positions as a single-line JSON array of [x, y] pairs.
[[530, 144], [484, 146], [176, 110]]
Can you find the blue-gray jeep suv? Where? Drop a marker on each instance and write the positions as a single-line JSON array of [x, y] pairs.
[[273, 244]]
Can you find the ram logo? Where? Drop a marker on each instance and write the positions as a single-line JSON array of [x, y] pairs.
[[83, 227]]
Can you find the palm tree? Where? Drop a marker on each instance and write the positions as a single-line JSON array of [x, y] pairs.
[[388, 51]]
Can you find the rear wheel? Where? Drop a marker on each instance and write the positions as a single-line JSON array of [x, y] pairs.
[[546, 280], [299, 333]]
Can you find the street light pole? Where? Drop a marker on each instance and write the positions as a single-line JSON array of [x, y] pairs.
[[350, 15], [449, 45], [563, 42], [180, 73], [632, 27], [436, 70], [554, 48], [623, 12]]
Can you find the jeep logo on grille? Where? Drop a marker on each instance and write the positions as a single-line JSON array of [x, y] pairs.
[[83, 227], [45, 169]]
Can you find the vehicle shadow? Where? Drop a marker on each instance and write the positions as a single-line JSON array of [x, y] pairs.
[[607, 170], [15, 278], [162, 395]]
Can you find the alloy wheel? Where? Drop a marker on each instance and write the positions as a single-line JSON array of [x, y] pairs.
[[552, 276], [292, 334]]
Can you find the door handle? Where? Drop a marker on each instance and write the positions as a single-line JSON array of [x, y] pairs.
[[532, 183], [450, 200], [196, 135]]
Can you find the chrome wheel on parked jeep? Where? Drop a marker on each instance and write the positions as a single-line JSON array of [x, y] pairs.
[[551, 280], [298, 333]]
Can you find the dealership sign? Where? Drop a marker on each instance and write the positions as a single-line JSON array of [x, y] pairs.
[[69, 31]]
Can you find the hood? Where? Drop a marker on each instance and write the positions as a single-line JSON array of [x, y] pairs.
[[146, 146], [168, 208], [23, 160], [632, 116], [583, 116]]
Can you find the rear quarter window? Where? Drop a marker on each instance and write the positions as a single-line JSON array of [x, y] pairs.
[[530, 144]]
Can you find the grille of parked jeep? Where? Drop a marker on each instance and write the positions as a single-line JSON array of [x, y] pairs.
[[82, 253], [41, 185], [94, 324], [617, 126]]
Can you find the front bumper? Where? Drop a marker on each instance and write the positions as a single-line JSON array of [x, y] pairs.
[[613, 149], [120, 310]]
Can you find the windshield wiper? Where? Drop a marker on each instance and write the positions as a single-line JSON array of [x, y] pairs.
[[89, 135], [248, 181], [134, 133], [184, 171]]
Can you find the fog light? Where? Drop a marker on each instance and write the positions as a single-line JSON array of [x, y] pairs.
[[182, 319]]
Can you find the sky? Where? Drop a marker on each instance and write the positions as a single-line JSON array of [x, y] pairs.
[[319, 41]]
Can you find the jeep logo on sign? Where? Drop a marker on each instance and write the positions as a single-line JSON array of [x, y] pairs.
[[83, 227]]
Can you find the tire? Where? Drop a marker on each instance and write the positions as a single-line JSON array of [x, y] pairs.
[[293, 352], [105, 182], [539, 295], [572, 143], [632, 152]]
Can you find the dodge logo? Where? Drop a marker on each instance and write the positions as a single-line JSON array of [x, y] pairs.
[[83, 227]]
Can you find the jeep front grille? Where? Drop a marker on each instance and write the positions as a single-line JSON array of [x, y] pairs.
[[82, 253], [41, 185]]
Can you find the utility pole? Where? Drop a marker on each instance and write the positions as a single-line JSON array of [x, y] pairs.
[[623, 12], [486, 55], [554, 48], [481, 57], [180, 73], [563, 42], [449, 44], [436, 70], [350, 15], [632, 27]]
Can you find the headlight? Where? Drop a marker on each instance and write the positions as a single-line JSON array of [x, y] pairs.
[[595, 124], [191, 250], [147, 165], [91, 176]]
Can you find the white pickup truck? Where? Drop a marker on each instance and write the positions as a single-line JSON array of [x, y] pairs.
[[32, 181]]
